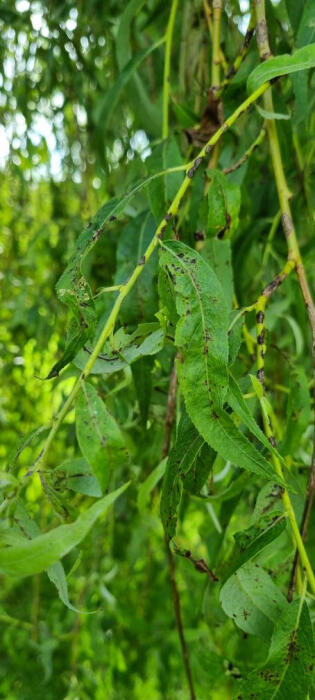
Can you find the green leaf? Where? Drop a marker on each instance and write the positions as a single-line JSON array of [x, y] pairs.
[[271, 115], [184, 115], [302, 59], [146, 111], [79, 477], [29, 528], [194, 480], [298, 413], [100, 439], [287, 673], [218, 255], [181, 458], [268, 503], [149, 484], [36, 555], [253, 540], [235, 337], [201, 333], [160, 192], [202, 339], [295, 11], [106, 106], [224, 200], [238, 404], [235, 487], [146, 340], [141, 373], [7, 480], [141, 302], [253, 601], [24, 442], [306, 31], [57, 576]]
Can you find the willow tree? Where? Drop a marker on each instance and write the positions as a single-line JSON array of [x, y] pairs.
[[179, 387]]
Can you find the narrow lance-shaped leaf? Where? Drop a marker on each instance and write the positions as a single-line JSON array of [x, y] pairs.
[[106, 107], [238, 404], [100, 438], [141, 302], [33, 556], [288, 671], [302, 59], [161, 191], [195, 479], [149, 484], [298, 413], [181, 458], [28, 529], [219, 256], [147, 112], [142, 378], [224, 201], [202, 339], [253, 540]]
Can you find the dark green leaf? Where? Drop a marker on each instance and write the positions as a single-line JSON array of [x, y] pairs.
[[224, 201], [181, 458], [106, 106]]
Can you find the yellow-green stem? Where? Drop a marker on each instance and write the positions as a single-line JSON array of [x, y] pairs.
[[215, 66], [207, 10], [167, 67], [287, 503]]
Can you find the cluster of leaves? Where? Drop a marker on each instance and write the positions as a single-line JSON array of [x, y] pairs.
[[167, 411]]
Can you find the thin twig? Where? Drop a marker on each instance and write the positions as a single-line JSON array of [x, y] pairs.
[[179, 623], [169, 422], [241, 55], [247, 153]]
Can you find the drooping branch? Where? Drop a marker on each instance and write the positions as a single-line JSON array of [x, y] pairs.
[[170, 214], [293, 251]]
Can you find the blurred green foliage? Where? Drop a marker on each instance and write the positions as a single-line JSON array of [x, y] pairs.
[[65, 153]]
